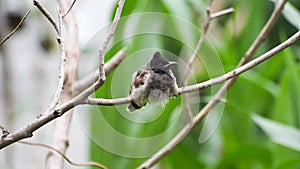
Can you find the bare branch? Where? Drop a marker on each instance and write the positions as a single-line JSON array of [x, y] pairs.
[[214, 81], [107, 102], [115, 61], [199, 117], [62, 66], [108, 67], [241, 69], [16, 28], [263, 33], [88, 164], [108, 39], [192, 59], [46, 14], [73, 3], [200, 42], [221, 13], [207, 22], [218, 96]]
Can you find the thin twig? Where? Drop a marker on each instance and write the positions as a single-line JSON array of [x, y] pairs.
[[263, 33], [88, 164], [207, 22], [108, 39], [200, 42], [60, 40], [110, 65], [221, 13], [73, 3], [192, 59], [214, 81], [107, 102], [16, 28], [161, 153], [62, 66], [46, 14], [210, 16]]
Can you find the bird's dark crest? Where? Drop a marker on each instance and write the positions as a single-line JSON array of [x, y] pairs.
[[158, 62]]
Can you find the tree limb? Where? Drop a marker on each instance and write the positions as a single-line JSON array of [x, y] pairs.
[[218, 96], [197, 119], [108, 39], [87, 81], [73, 3], [214, 81], [46, 14], [88, 164], [221, 13], [16, 28], [194, 57], [62, 67]]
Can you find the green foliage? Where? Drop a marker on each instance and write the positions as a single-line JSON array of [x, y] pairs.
[[243, 139]]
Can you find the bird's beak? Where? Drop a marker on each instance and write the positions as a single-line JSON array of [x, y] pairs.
[[169, 64]]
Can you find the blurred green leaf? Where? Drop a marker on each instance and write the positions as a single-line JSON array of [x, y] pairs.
[[289, 95], [282, 134], [291, 163], [179, 8], [247, 156], [262, 82], [285, 157], [183, 156]]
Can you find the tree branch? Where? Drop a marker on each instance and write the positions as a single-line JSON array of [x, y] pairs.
[[46, 14], [62, 66], [214, 81], [88, 164], [16, 28], [108, 39], [221, 13], [263, 33], [73, 3], [207, 22], [198, 118], [186, 75], [84, 83]]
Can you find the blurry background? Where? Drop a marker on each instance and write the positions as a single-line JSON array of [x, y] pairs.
[[259, 124]]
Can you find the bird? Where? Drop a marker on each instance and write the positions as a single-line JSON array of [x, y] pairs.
[[153, 83]]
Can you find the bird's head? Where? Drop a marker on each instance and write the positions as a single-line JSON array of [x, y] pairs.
[[159, 64]]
